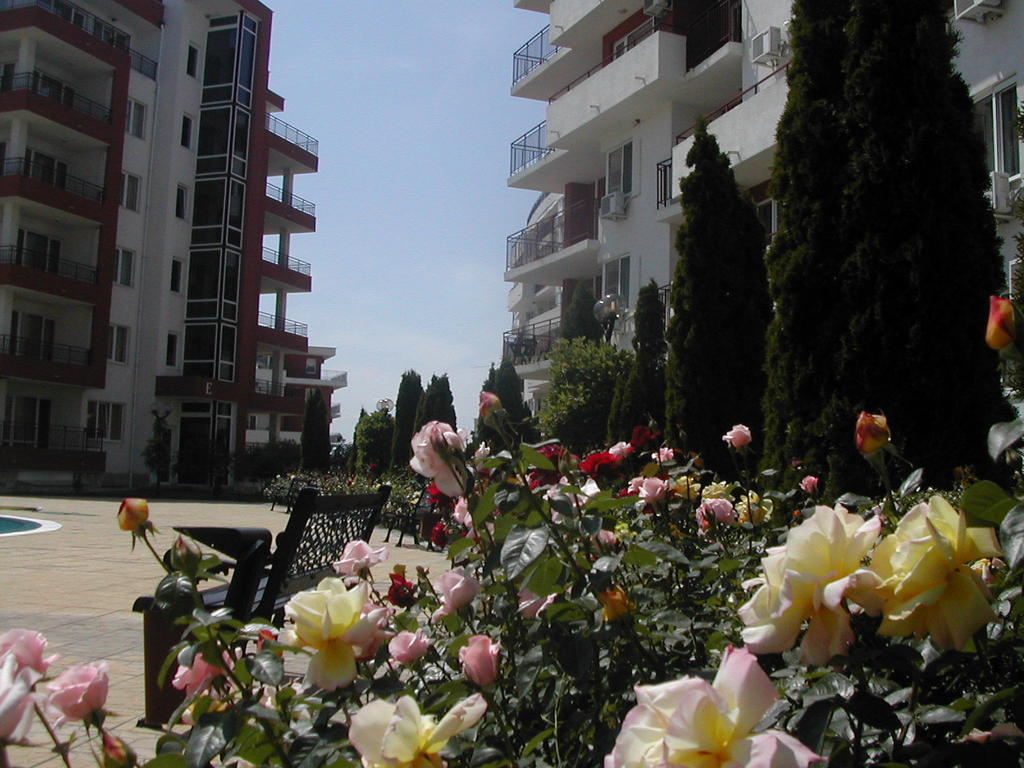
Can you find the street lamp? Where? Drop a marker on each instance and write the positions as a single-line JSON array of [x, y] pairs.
[[607, 311], [385, 404]]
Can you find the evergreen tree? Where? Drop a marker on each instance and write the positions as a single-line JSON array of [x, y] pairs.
[[640, 397], [807, 251], [721, 309], [410, 390], [157, 453], [316, 434], [508, 386], [579, 321], [436, 404], [923, 252], [372, 441]]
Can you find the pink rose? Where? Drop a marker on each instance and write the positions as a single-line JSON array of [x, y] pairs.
[[738, 436], [17, 701], [607, 538], [652, 489], [28, 648], [437, 453], [372, 630], [461, 513], [620, 450], [197, 677], [79, 691], [809, 485], [489, 403], [479, 657], [358, 557], [406, 647], [715, 510], [663, 454], [456, 588], [531, 606]]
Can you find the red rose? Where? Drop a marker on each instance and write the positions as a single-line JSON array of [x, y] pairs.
[[439, 535], [402, 592], [600, 463]]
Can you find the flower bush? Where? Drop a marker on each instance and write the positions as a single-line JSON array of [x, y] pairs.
[[626, 608]]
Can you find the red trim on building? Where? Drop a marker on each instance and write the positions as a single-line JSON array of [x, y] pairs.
[[27, 457], [275, 100], [304, 221], [59, 113], [281, 339], [92, 375], [147, 10], [296, 153], [287, 276], [197, 388], [65, 31], [49, 283], [54, 197], [293, 405]]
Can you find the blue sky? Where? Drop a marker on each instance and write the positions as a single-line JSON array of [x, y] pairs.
[[410, 102]]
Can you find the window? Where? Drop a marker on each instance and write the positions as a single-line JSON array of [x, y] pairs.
[[135, 120], [995, 119], [311, 366], [177, 265], [105, 420], [131, 186], [768, 215], [620, 169], [117, 344], [181, 202], [172, 350], [192, 61], [124, 263], [616, 278], [186, 131]]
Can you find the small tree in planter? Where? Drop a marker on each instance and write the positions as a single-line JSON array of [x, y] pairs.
[[316, 434], [157, 453]]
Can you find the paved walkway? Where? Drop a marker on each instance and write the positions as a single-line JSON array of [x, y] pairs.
[[76, 585]]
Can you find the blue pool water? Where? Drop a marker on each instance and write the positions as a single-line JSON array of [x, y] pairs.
[[16, 526]]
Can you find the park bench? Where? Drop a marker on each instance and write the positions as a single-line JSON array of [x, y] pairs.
[[404, 516], [262, 581]]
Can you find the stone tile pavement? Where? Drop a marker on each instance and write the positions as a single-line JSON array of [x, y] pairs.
[[77, 584]]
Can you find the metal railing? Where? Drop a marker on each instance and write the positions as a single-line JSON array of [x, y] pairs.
[[663, 185], [537, 50], [290, 199], [295, 265], [567, 227], [529, 148], [23, 346], [55, 438], [142, 64], [268, 320], [272, 388], [732, 103], [53, 88], [52, 175], [335, 377], [292, 135], [45, 262], [531, 342], [720, 24]]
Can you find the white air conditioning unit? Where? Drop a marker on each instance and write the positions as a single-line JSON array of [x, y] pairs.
[[657, 7], [999, 194], [613, 206], [766, 47], [977, 10]]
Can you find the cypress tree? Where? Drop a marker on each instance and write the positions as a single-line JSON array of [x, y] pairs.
[[807, 250], [640, 397], [372, 441], [316, 434], [923, 251], [508, 386], [436, 404], [721, 309], [579, 321], [410, 390]]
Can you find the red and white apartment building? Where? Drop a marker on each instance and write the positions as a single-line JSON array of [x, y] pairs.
[[623, 83], [147, 207]]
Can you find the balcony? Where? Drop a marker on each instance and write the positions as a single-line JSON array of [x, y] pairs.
[[529, 346], [55, 90], [284, 274], [52, 176], [36, 360], [149, 10], [267, 320], [534, 52], [289, 211], [535, 165], [293, 135], [44, 262], [37, 349], [290, 148], [745, 129], [554, 249], [24, 445], [573, 22], [660, 65], [332, 379], [280, 332], [533, 5]]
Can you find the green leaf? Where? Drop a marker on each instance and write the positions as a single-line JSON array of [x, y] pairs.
[[986, 502], [605, 501], [459, 546], [522, 547], [1011, 536], [485, 506], [1001, 436], [666, 552], [912, 483], [639, 556], [267, 667], [873, 711], [166, 760], [591, 524], [536, 741], [536, 459], [208, 738], [546, 576], [814, 723], [986, 708], [938, 715], [528, 668]]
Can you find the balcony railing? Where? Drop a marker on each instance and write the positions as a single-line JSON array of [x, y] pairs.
[[664, 183], [52, 88], [732, 103], [268, 320], [531, 342], [529, 148], [567, 227], [534, 52], [271, 388], [54, 438], [292, 134], [23, 346], [45, 262], [142, 64], [295, 265], [52, 175], [290, 199]]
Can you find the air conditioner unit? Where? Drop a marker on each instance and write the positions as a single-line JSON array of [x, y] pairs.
[[999, 193], [613, 206], [766, 47], [657, 7], [977, 10]]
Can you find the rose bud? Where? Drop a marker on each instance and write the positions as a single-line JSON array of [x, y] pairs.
[[872, 432], [132, 514], [616, 603], [186, 556], [489, 403], [117, 754], [1001, 330]]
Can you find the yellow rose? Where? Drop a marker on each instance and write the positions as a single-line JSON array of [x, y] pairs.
[[686, 487], [928, 587], [718, 491], [751, 509]]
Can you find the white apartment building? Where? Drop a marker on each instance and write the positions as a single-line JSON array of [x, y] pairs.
[[146, 210], [624, 83]]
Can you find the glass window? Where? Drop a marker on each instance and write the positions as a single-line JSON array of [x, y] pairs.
[[311, 364], [172, 350], [136, 119], [995, 119], [131, 186], [203, 277], [214, 130], [192, 61], [220, 57], [186, 131], [620, 169], [616, 278], [767, 214], [117, 344], [123, 265], [176, 270], [105, 420], [181, 202], [200, 342], [209, 207]]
